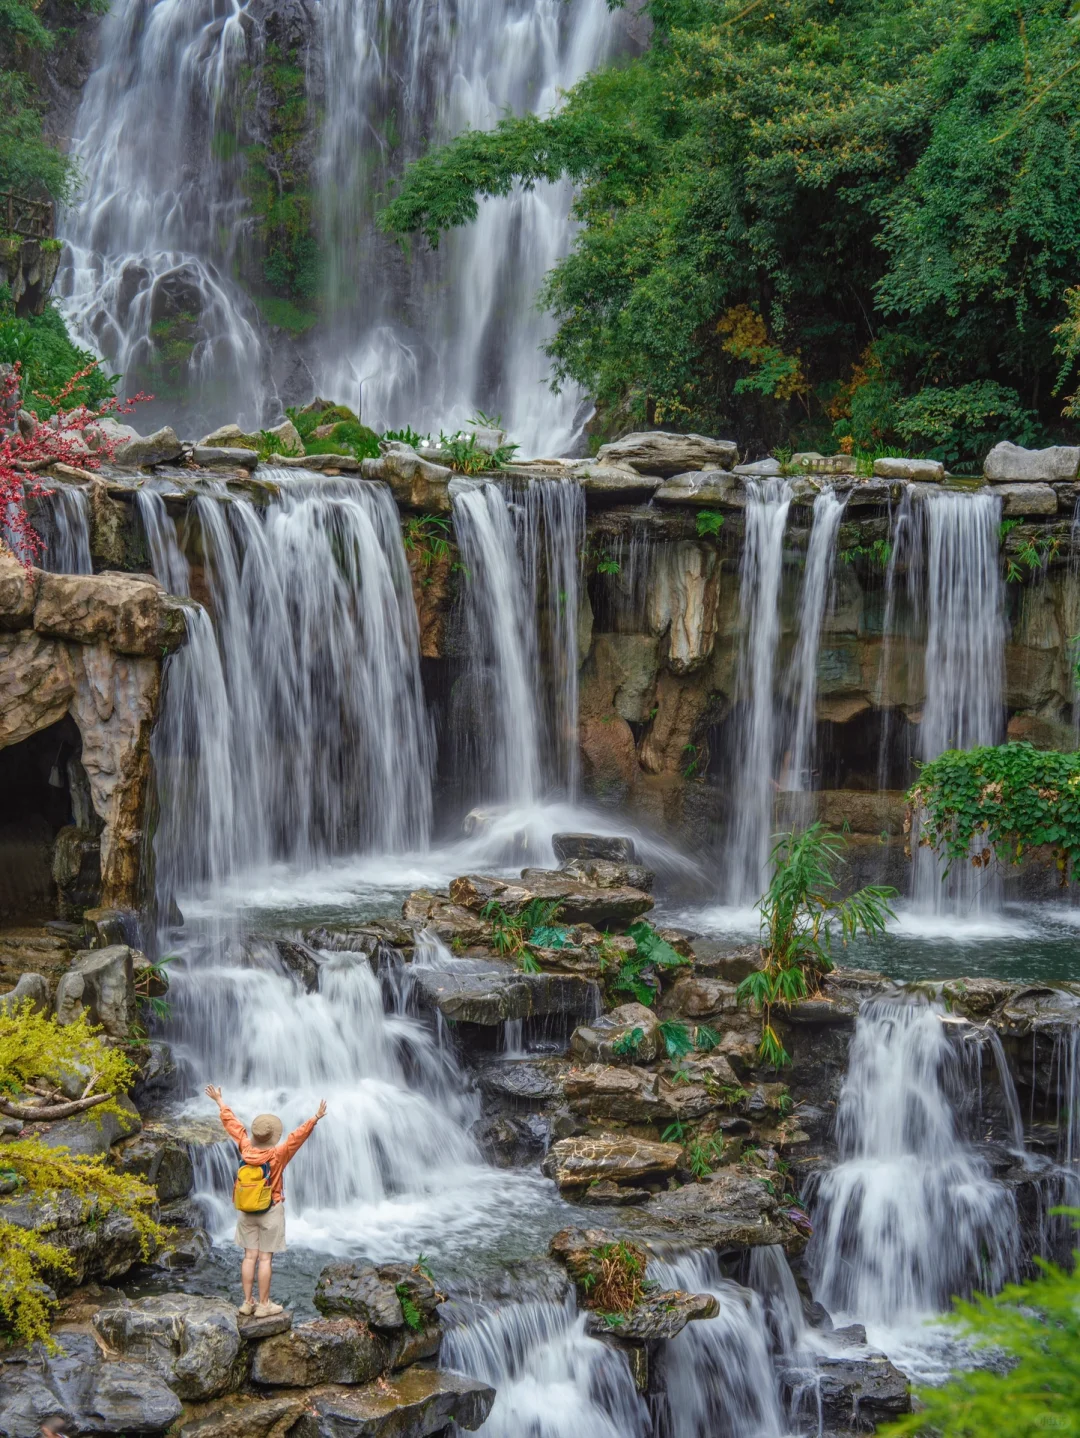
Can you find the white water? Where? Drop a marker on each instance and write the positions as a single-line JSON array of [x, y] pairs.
[[309, 729], [965, 671], [767, 504], [67, 531], [551, 1379], [458, 329], [817, 580], [909, 1216]]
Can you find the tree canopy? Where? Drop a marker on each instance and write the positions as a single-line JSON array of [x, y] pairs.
[[814, 221]]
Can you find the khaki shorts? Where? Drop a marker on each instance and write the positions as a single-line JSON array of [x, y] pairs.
[[264, 1231]]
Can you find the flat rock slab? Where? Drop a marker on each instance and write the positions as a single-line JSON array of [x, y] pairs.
[[575, 1163], [414, 1404], [579, 903], [616, 850], [1026, 499], [730, 1212], [211, 456], [616, 484], [658, 1316], [705, 489], [663, 453], [252, 1330], [247, 1418], [1012, 462], [504, 993], [100, 1396]]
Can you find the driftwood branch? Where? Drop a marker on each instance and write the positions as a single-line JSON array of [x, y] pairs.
[[45, 1113]]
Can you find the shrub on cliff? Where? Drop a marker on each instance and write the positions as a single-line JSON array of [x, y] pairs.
[[42, 1064], [824, 220]]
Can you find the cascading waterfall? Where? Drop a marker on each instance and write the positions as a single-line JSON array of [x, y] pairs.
[[910, 1215], [551, 1379], [510, 543], [719, 1375], [310, 728], [457, 329], [67, 531], [767, 505], [965, 667], [155, 237], [820, 557]]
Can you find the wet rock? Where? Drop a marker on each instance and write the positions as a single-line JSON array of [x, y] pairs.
[[413, 1404], [595, 1042], [247, 1418], [448, 921], [731, 1211], [156, 1158], [339, 1350], [495, 994], [254, 1330], [854, 1392], [925, 471], [719, 959], [521, 1082], [696, 997], [578, 902], [212, 456], [1026, 499], [415, 483], [1012, 462], [101, 1244], [711, 489], [574, 1163], [599, 1092], [604, 1194], [372, 1293], [156, 1075], [663, 453], [94, 1395], [593, 846], [32, 989], [1037, 1006], [605, 874], [615, 484], [93, 1132], [192, 1343], [975, 998], [300, 962], [132, 615], [100, 983], [657, 1317]]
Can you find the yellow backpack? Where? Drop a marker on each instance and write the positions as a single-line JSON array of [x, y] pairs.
[[251, 1191]]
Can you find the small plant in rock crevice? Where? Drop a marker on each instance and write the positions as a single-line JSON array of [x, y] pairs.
[[708, 523], [637, 973], [628, 1045], [799, 913], [615, 1280], [513, 934], [414, 1319]]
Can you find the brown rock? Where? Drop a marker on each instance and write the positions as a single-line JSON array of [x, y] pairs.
[[132, 615], [37, 684], [18, 592], [608, 751], [338, 1350], [700, 998], [595, 1042], [578, 902], [574, 1163], [415, 483], [618, 1094], [664, 453]]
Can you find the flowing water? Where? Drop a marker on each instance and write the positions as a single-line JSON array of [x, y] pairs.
[[817, 581], [767, 505], [910, 1214], [66, 531]]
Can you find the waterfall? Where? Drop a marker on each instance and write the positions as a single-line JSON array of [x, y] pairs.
[[152, 244], [909, 1216], [551, 1379], [767, 504], [718, 1373], [513, 544], [828, 511], [965, 663], [456, 329], [67, 531], [312, 717], [393, 1170]]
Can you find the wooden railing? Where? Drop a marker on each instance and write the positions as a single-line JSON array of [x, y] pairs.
[[20, 215]]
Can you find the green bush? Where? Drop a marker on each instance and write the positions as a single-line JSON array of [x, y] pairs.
[[49, 358]]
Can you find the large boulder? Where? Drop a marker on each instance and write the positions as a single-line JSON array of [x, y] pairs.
[[707, 489], [32, 989], [414, 1404], [448, 921], [615, 850], [18, 592], [857, 1393], [1031, 498], [193, 1343], [231, 436], [695, 997], [575, 1163], [632, 1026], [925, 471], [156, 1158], [415, 483], [659, 452], [100, 983], [131, 614], [94, 1132], [495, 993], [605, 874], [339, 1350], [101, 1243], [731, 1212], [130, 448], [75, 1379], [616, 1094], [373, 1294], [579, 903], [615, 484], [1011, 462]]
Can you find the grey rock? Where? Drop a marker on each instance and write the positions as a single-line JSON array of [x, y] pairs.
[[300, 961], [594, 846], [254, 1330], [343, 463], [855, 1392], [615, 484], [811, 462], [192, 1343], [707, 489], [327, 1350], [156, 1075], [926, 471], [1012, 462], [616, 1093], [93, 1132], [415, 483], [30, 986], [595, 1042], [1029, 498], [663, 453], [161, 447], [101, 1244], [95, 1396], [768, 468], [498, 992], [730, 1212], [162, 1162], [658, 1316], [357, 1290], [210, 456], [523, 1081], [248, 1418], [414, 1404], [607, 875], [102, 982]]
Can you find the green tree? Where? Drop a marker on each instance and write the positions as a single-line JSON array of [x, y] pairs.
[[816, 219]]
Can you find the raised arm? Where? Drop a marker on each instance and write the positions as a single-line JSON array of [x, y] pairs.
[[229, 1122], [300, 1135]]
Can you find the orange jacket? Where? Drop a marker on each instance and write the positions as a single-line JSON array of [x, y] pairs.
[[277, 1157]]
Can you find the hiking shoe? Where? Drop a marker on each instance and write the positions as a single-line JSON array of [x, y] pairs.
[[246, 1309], [268, 1310]]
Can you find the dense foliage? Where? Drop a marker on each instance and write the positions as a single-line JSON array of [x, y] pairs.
[[48, 358], [970, 805], [39, 1059], [820, 221], [1037, 1324], [800, 911], [28, 164]]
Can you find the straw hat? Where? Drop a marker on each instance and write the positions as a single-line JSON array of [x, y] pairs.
[[265, 1129]]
